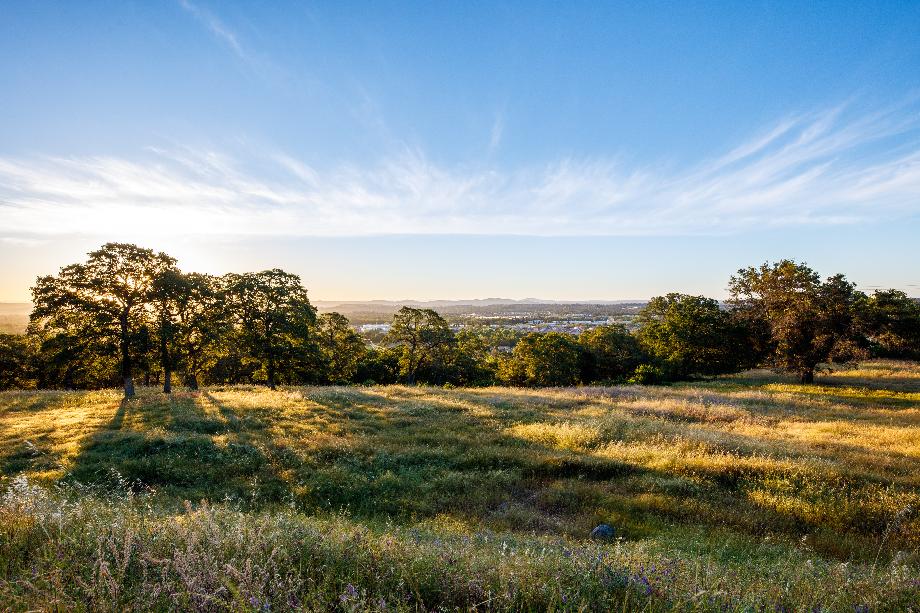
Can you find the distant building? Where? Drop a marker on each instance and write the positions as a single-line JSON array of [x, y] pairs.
[[374, 328]]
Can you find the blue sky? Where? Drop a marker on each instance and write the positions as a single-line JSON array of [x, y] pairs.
[[460, 150]]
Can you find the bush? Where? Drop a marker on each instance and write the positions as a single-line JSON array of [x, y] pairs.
[[692, 335], [543, 359], [647, 374], [611, 354]]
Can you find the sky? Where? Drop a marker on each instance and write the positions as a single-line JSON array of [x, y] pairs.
[[568, 151]]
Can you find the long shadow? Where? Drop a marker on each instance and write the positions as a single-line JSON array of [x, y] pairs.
[[836, 377], [165, 445], [704, 429], [119, 417], [894, 384], [407, 453], [552, 481], [261, 475], [86, 465]]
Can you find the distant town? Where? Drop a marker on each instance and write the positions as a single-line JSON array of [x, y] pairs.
[[372, 319]]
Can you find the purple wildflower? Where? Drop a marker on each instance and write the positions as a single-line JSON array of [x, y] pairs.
[[350, 593]]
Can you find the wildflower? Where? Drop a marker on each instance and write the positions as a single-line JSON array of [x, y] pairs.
[[350, 593]]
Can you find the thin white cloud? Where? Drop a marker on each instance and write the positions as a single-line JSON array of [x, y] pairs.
[[217, 27], [819, 169], [23, 241], [498, 130]]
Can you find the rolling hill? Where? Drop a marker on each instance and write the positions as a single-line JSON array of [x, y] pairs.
[[742, 493]]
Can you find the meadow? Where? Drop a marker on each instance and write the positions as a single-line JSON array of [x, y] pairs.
[[741, 493]]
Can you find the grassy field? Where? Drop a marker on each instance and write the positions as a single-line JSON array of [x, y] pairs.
[[742, 493]]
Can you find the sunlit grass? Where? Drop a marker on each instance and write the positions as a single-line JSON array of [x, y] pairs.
[[729, 483]]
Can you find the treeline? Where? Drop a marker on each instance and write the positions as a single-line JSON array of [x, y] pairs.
[[128, 313]]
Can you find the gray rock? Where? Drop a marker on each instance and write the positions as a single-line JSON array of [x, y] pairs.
[[603, 532]]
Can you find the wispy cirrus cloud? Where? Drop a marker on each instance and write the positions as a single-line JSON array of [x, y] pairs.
[[498, 130], [218, 28], [822, 168]]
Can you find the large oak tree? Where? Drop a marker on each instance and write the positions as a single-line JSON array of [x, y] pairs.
[[192, 320], [892, 321], [105, 298], [342, 348], [611, 353], [424, 342], [274, 319], [543, 359], [802, 321]]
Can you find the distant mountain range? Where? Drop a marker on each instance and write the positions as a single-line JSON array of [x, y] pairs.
[[24, 308], [14, 317], [15, 308], [479, 302]]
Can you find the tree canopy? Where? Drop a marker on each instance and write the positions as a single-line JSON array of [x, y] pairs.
[[274, 317], [424, 342], [611, 353], [802, 321], [893, 324], [129, 311], [691, 335], [544, 359], [342, 349], [101, 300]]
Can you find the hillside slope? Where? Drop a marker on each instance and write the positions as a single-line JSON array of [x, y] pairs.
[[716, 488]]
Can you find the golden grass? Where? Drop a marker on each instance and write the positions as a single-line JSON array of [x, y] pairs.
[[832, 469]]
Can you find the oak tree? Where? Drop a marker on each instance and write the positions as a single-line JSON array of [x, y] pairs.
[[611, 353], [274, 319], [340, 347], [543, 359], [104, 299], [804, 321], [424, 341], [691, 335]]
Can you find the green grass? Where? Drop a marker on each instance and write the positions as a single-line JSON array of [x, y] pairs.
[[739, 493]]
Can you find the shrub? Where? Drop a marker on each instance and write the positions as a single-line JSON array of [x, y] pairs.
[[647, 374]]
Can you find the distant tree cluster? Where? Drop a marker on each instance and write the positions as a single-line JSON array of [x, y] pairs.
[[128, 312]]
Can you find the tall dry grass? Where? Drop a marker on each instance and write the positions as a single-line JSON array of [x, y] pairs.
[[741, 492]]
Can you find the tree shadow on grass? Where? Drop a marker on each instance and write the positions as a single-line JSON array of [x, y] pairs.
[[177, 457], [408, 453], [525, 484]]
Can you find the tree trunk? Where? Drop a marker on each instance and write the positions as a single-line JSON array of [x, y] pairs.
[[808, 376], [126, 355], [165, 362], [129, 387], [271, 370], [192, 382]]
